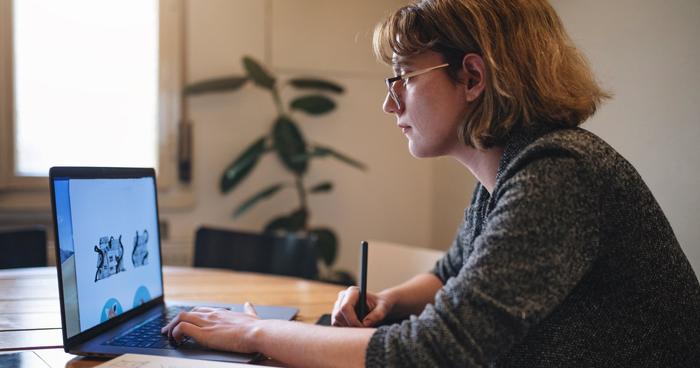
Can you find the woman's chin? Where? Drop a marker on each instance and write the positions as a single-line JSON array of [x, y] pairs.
[[418, 151]]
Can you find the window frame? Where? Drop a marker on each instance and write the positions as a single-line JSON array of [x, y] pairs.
[[26, 192]]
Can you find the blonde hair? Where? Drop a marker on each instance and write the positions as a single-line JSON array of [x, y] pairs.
[[534, 73]]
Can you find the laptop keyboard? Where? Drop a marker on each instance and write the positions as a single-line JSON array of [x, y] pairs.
[[147, 334]]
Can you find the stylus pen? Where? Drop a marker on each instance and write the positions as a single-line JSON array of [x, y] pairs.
[[362, 302]]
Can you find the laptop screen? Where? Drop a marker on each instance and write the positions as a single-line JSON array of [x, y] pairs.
[[108, 245]]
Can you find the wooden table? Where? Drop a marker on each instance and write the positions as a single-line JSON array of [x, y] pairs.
[[30, 319]]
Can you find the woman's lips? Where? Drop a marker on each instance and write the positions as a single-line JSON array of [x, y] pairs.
[[404, 128]]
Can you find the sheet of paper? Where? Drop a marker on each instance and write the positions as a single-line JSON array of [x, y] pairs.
[[155, 361]]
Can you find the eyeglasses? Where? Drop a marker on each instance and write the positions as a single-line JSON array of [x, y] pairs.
[[391, 83]]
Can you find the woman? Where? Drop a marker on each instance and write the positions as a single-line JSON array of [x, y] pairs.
[[564, 257]]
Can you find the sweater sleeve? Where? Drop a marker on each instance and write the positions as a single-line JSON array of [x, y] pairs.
[[450, 264], [538, 241]]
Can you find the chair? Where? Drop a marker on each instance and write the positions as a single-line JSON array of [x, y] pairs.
[[389, 264], [23, 247], [264, 253]]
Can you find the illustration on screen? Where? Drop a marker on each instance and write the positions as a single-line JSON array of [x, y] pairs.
[[109, 257], [111, 309], [139, 256]]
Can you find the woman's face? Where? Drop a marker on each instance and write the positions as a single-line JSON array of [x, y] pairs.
[[432, 106]]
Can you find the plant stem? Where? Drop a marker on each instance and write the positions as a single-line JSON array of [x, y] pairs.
[[302, 197], [278, 101]]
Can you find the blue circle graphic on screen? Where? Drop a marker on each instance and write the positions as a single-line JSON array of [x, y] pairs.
[[111, 309], [142, 295]]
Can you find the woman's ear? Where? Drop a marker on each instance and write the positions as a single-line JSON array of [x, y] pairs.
[[475, 76]]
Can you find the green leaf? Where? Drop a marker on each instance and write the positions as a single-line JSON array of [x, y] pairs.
[[319, 151], [297, 220], [216, 85], [313, 104], [313, 83], [257, 73], [277, 224], [293, 222], [288, 142], [326, 244], [350, 161], [242, 165], [326, 186], [263, 194]]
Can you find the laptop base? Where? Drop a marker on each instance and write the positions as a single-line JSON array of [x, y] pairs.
[[96, 346]]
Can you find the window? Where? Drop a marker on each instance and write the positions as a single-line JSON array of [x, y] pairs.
[[88, 83], [86, 98]]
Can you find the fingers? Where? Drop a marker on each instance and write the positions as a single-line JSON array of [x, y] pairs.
[[166, 329], [344, 309], [371, 302], [375, 315], [348, 312], [336, 318], [336, 308], [203, 309], [184, 329], [339, 320], [209, 328], [190, 317], [249, 309], [344, 314]]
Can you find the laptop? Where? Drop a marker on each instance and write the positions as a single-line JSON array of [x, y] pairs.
[[109, 267]]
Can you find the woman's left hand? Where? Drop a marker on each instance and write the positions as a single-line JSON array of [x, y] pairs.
[[219, 329]]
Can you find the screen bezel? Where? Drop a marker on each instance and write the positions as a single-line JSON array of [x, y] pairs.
[[100, 173]]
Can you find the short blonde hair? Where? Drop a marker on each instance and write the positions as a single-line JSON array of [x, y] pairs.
[[534, 73]]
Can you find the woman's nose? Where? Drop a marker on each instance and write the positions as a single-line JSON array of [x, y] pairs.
[[389, 106]]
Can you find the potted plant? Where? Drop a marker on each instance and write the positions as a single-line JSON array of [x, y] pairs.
[[287, 142]]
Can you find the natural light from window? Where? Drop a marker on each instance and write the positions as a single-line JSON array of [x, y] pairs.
[[86, 84]]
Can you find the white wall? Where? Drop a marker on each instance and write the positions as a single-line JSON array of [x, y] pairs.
[[330, 39], [646, 52]]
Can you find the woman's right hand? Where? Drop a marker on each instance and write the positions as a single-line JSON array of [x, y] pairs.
[[378, 306]]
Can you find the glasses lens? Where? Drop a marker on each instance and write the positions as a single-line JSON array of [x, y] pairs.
[[392, 91]]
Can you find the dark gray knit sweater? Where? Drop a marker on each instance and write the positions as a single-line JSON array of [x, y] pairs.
[[570, 263]]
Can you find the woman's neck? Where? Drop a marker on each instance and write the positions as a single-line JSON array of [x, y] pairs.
[[482, 164]]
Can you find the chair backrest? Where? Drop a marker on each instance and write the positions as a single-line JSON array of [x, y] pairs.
[[288, 255], [389, 264], [23, 247]]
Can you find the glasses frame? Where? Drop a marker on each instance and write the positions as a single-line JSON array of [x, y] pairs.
[[405, 77]]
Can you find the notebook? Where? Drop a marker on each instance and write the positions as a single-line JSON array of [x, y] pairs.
[[109, 266], [150, 361]]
